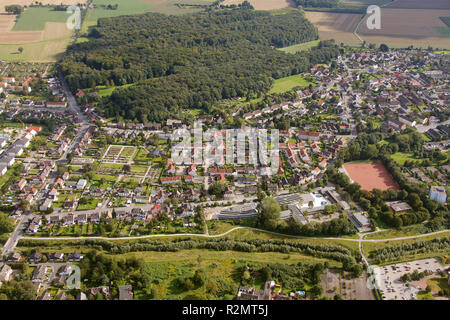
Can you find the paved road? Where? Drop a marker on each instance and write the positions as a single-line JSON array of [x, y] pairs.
[[15, 236], [74, 107], [232, 230]]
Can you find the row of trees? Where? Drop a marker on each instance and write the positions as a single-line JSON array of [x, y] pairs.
[[391, 253]]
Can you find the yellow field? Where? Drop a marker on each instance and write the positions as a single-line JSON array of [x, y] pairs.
[[56, 30], [53, 42], [7, 22], [262, 4], [337, 26], [44, 2]]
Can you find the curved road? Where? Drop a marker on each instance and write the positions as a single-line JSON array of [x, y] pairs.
[[231, 230]]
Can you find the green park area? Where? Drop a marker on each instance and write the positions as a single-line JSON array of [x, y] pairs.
[[401, 157]]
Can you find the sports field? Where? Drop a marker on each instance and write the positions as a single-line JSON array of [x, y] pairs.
[[370, 175]]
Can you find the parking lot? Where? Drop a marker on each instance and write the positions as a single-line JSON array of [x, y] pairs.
[[393, 288]]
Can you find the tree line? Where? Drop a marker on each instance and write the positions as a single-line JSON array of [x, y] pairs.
[[392, 253]]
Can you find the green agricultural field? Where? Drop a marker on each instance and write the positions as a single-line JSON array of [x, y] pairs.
[[131, 7], [288, 83], [443, 31], [42, 51], [35, 18], [300, 47]]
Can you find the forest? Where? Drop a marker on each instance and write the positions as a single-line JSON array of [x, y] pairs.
[[192, 61]]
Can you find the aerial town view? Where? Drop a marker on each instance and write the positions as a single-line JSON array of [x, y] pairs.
[[224, 150]]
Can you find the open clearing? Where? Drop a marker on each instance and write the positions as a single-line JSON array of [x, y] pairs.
[[288, 83], [262, 4], [370, 175], [337, 26], [401, 28], [300, 47]]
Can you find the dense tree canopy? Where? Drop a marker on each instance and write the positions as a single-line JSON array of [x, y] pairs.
[[178, 62]]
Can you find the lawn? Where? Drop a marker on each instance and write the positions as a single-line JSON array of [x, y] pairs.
[[300, 47], [401, 157], [423, 295], [288, 83], [92, 204], [106, 177], [438, 284], [411, 230]]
